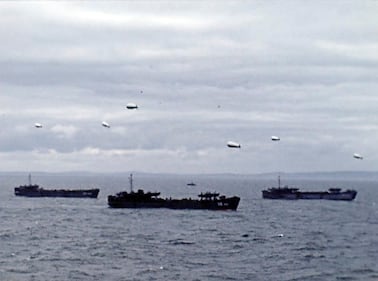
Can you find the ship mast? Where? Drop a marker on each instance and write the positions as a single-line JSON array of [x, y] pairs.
[[131, 182], [30, 182], [279, 181]]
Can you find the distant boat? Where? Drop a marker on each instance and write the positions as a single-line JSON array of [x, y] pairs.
[[33, 190], [191, 184], [141, 199], [294, 193]]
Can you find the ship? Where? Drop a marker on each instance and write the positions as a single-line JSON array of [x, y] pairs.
[[292, 193], [142, 199], [34, 190]]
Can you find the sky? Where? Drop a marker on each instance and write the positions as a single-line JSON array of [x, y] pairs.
[[202, 73]]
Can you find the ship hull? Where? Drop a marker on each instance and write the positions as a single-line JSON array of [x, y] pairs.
[[343, 196], [220, 204], [81, 193]]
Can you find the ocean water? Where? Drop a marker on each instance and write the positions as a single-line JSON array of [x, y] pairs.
[[82, 239]]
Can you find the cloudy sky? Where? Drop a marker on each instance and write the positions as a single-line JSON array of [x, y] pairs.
[[202, 73]]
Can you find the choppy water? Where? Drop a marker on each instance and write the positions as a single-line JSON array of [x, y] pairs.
[[82, 239]]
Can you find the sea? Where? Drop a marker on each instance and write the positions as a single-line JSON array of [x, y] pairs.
[[83, 239]]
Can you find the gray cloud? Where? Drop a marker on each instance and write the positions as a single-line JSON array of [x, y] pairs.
[[202, 74]]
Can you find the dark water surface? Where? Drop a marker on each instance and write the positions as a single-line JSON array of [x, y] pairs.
[[82, 239]]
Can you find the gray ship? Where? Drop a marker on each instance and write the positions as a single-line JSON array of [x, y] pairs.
[[34, 190], [141, 199], [294, 193]]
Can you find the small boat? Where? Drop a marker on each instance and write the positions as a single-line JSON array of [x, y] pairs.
[[34, 190], [294, 193], [141, 199], [191, 184]]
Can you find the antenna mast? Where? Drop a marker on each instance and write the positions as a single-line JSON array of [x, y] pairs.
[[131, 182]]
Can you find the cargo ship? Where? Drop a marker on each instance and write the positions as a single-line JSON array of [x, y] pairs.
[[294, 193], [34, 190], [141, 199]]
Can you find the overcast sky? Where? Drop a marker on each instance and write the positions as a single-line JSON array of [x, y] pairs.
[[202, 73]]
